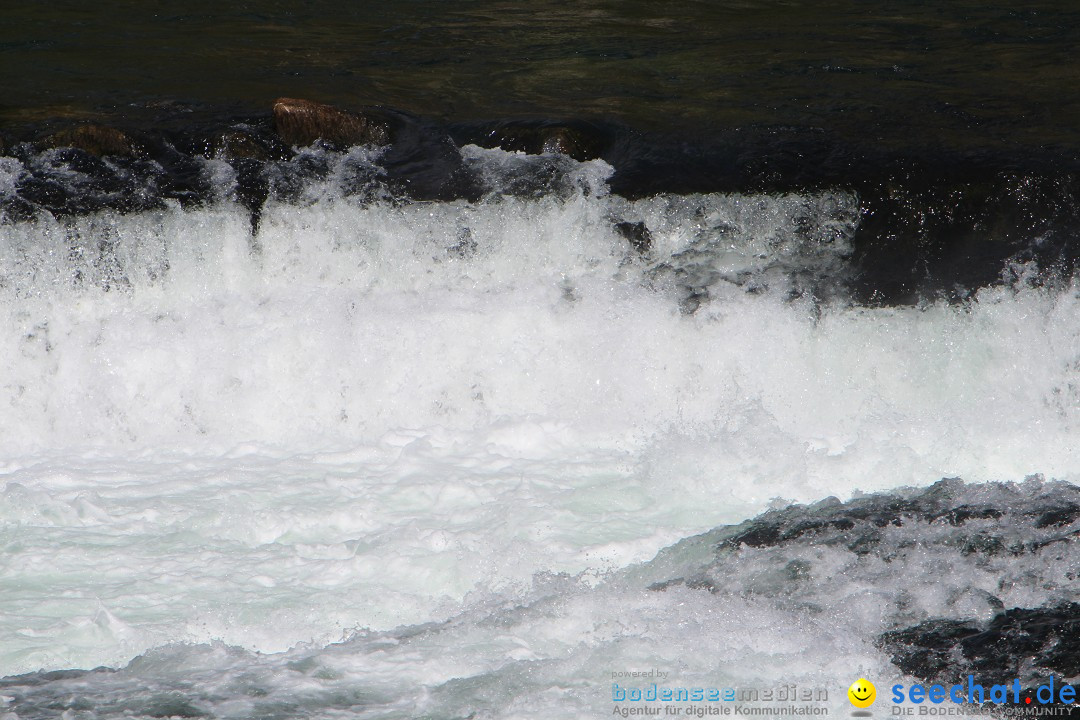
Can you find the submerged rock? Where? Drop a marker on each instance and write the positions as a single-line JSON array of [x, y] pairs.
[[1021, 527], [1029, 644], [575, 142], [637, 234], [236, 144], [939, 575], [44, 677], [860, 524], [302, 122], [97, 140]]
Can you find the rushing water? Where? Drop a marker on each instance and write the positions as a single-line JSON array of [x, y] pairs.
[[445, 430]]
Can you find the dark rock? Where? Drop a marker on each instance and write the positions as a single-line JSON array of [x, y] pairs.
[[124, 184], [827, 524], [236, 144], [98, 140], [3, 145], [960, 515], [575, 142], [302, 122], [693, 299], [252, 188], [251, 151], [15, 209], [859, 524], [637, 234], [568, 142], [424, 163], [169, 705], [1029, 644], [949, 519], [1059, 516], [44, 677]]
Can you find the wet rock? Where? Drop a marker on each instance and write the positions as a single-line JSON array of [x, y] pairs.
[[169, 705], [929, 231], [960, 515], [14, 209], [860, 524], [236, 144], [302, 122], [252, 189], [1029, 644], [44, 677], [964, 524], [575, 142], [637, 234], [124, 184], [1059, 516], [568, 142], [251, 154], [97, 140], [828, 524], [692, 300]]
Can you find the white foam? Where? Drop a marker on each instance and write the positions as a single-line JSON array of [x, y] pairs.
[[372, 410], [11, 171]]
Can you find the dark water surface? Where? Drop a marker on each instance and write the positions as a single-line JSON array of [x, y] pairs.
[[960, 74]]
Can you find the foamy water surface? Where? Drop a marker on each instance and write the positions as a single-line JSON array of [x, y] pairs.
[[376, 413]]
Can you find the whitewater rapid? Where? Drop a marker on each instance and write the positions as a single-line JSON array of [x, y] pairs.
[[375, 412]]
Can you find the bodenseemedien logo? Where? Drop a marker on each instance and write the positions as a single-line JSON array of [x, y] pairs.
[[767, 703]]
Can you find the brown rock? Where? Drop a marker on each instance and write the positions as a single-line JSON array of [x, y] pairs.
[[302, 122], [95, 139]]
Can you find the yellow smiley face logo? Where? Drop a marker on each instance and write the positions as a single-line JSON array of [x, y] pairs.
[[862, 693]]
